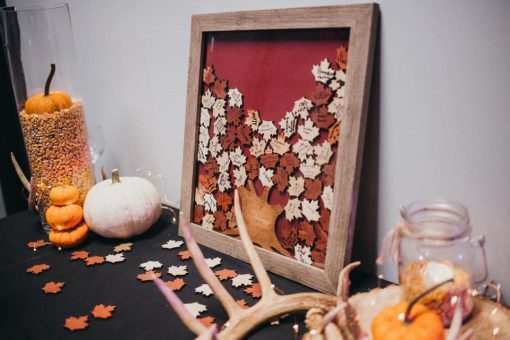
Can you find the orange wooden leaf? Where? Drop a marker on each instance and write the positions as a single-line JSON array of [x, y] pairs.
[[219, 88], [36, 244], [321, 94], [184, 255], [306, 233], [289, 162], [148, 276], [93, 260], [318, 257], [198, 213], [53, 287], [269, 160], [322, 240], [322, 118], [220, 220], [252, 167], [38, 268], [324, 219], [211, 167], [234, 115], [242, 303], [341, 57], [328, 174], [208, 183], [76, 323], [244, 134], [227, 141], [103, 312], [123, 247], [207, 321], [176, 284], [287, 234], [225, 274], [79, 255], [313, 188], [223, 200], [334, 133], [281, 179], [209, 76], [255, 290]]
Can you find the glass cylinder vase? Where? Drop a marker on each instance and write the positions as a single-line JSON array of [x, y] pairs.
[[39, 45]]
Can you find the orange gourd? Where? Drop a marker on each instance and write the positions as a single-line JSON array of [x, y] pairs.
[[409, 320], [64, 195], [65, 217], [69, 238], [48, 102]]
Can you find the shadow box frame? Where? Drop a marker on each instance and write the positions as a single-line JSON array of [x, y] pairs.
[[361, 20]]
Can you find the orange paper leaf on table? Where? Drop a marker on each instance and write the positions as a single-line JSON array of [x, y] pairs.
[[206, 321], [328, 174], [269, 160], [242, 303], [176, 284], [334, 133], [281, 179], [306, 233], [219, 88], [313, 188], [76, 323], [93, 260], [209, 76], [220, 220], [225, 274], [321, 94], [123, 247], [341, 57], [148, 276], [36, 244], [79, 255], [322, 118], [38, 268], [255, 290], [289, 162], [184, 255], [53, 287], [103, 312], [223, 200]]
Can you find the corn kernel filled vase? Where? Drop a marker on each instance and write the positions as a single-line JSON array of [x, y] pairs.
[[40, 50]]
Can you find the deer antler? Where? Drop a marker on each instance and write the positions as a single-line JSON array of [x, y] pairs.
[[243, 321]]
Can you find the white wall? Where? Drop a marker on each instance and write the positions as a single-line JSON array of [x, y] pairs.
[[439, 127]]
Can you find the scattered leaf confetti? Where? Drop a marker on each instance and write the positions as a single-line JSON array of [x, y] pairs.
[[123, 247], [148, 276], [207, 321], [76, 323], [242, 280], [93, 260], [36, 244], [38, 268], [255, 290], [114, 258], [178, 270], [195, 308], [53, 287], [242, 303], [79, 255], [204, 289], [176, 284], [225, 274], [184, 255], [213, 262], [150, 265], [103, 312]]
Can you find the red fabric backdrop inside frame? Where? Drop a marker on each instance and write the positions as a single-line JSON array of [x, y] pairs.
[[272, 69]]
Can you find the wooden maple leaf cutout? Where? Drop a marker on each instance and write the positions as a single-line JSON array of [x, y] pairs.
[[93, 260], [103, 312], [184, 255], [38, 268], [79, 255], [242, 303], [76, 323], [123, 247], [255, 290], [207, 321], [53, 287], [260, 217], [36, 244], [209, 76], [148, 276], [176, 284], [225, 274]]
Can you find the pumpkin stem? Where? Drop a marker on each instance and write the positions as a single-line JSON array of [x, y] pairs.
[[48, 81], [115, 176], [407, 315]]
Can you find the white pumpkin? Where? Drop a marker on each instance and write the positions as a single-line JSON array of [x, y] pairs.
[[122, 207]]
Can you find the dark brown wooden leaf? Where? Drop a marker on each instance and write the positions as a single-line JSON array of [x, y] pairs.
[[209, 76], [220, 221], [322, 118], [306, 233], [341, 57], [219, 88], [313, 189], [289, 162], [252, 167], [321, 94], [269, 160], [281, 179], [328, 174]]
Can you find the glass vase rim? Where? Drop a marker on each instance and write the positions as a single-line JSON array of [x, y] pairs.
[[33, 7]]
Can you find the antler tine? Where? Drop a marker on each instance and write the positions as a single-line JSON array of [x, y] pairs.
[[207, 274], [193, 324], [256, 263], [344, 281], [20, 173], [332, 314]]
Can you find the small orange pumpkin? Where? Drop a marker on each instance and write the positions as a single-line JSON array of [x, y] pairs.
[[65, 217], [48, 102], [64, 195], [69, 238]]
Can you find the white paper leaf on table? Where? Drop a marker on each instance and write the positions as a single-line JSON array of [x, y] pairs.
[[309, 169], [242, 280], [327, 197], [236, 98], [308, 131], [178, 270], [223, 182], [204, 289], [258, 147], [302, 254], [237, 157], [223, 162], [172, 244], [205, 118], [302, 149], [195, 308], [296, 186], [219, 108], [215, 146], [208, 221], [210, 202], [302, 107], [289, 124], [337, 108], [280, 146], [310, 209], [119, 257], [323, 153], [265, 176], [292, 209], [240, 176], [267, 129], [220, 126], [150, 265], [323, 72], [208, 100], [213, 262]]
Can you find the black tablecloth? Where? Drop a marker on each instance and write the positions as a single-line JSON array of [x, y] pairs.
[[26, 312]]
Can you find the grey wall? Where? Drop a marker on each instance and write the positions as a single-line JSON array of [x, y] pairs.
[[440, 126]]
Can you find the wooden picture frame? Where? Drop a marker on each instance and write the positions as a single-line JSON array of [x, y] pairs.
[[361, 23]]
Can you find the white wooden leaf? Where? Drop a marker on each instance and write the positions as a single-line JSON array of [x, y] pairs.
[[327, 197], [204, 289], [340, 75], [205, 118], [334, 85], [296, 186], [323, 72], [150, 265], [236, 98], [292, 209], [310, 210], [220, 126], [266, 177], [210, 202], [202, 153], [252, 119], [224, 182], [215, 146], [242, 280], [208, 100], [119, 257], [195, 308], [240, 176], [323, 153], [302, 107], [337, 108], [267, 129], [302, 254], [341, 92], [302, 149], [172, 244], [213, 262], [308, 131], [289, 124], [258, 147], [223, 162], [309, 169], [280, 146], [178, 270], [219, 108], [208, 221], [203, 136], [237, 157]]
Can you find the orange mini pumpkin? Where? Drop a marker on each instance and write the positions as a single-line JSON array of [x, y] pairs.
[[65, 217], [69, 238], [48, 102], [64, 195]]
